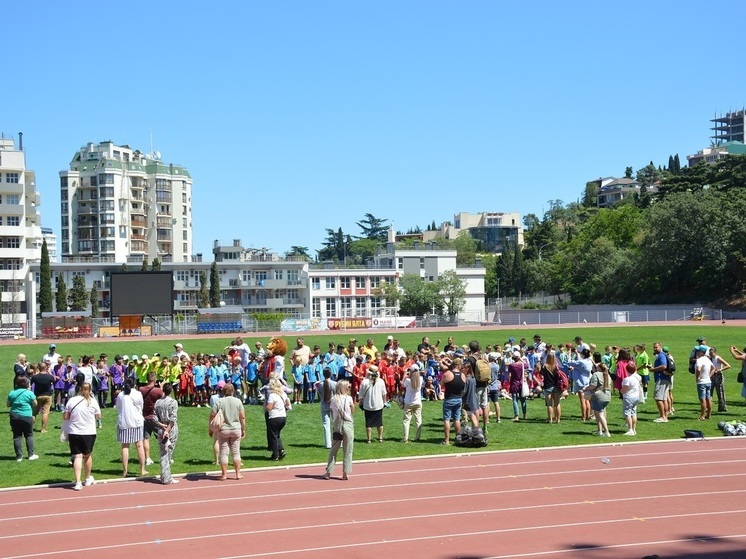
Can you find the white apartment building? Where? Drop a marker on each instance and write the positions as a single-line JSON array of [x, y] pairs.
[[120, 205], [49, 236], [20, 232], [494, 230]]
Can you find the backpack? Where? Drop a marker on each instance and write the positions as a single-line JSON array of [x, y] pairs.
[[483, 372], [562, 382], [670, 364], [692, 362]]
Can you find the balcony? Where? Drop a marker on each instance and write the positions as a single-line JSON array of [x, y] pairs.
[[138, 222]]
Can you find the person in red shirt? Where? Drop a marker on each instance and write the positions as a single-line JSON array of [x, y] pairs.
[[359, 372]]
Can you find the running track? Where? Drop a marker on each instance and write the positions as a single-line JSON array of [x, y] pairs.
[[681, 499]]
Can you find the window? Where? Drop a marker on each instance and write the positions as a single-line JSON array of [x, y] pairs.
[[104, 178], [293, 277], [182, 275], [63, 194], [185, 235], [94, 181], [81, 274], [12, 177], [346, 305], [331, 307], [1, 220], [107, 231], [360, 307], [107, 218], [422, 263], [331, 283], [375, 302], [106, 192], [315, 282], [360, 283], [14, 220], [183, 198], [184, 247], [279, 274], [260, 277], [375, 282], [65, 234], [316, 308], [123, 232], [293, 295], [12, 199], [107, 246], [13, 242], [400, 263], [63, 182], [106, 205], [246, 276], [344, 282], [184, 222]]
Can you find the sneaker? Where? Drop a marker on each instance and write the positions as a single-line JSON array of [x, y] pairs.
[[88, 481], [78, 486], [660, 420], [19, 459], [149, 462], [171, 482], [630, 433], [608, 435], [199, 406], [33, 457]]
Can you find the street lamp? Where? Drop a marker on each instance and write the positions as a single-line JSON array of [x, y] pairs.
[[541, 247]]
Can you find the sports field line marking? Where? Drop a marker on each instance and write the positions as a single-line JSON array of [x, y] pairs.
[[366, 489], [202, 518], [577, 550], [408, 471], [467, 534]]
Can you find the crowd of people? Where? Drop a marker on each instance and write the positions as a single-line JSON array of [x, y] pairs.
[[469, 380]]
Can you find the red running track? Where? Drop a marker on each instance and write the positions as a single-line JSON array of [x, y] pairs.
[[681, 499]]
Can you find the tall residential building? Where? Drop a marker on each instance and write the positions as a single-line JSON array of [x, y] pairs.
[[49, 236], [120, 205], [20, 231], [729, 128]]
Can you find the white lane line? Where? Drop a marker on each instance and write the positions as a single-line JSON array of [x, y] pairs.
[[368, 488]]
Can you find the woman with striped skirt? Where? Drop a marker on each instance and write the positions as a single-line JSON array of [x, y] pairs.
[[130, 425]]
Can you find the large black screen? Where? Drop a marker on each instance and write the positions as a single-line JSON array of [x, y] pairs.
[[142, 293]]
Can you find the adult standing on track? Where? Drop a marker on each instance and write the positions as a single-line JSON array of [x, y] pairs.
[[166, 411], [372, 398], [740, 356], [325, 390], [150, 395], [413, 402], [84, 414], [276, 406], [718, 381], [343, 409], [130, 422], [21, 402], [43, 382], [232, 431], [453, 382], [599, 386], [662, 380], [517, 376]]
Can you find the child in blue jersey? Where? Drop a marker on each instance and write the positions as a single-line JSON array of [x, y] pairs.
[[200, 376], [299, 373], [252, 379], [213, 375], [314, 371]]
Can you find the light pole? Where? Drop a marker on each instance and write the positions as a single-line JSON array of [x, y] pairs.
[[499, 302], [541, 247]]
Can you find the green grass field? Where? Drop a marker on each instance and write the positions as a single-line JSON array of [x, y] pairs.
[[303, 437]]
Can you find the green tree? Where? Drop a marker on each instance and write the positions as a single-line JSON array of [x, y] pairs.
[[677, 164], [504, 272], [466, 250], [298, 251], [214, 286], [124, 267], [45, 280], [373, 228], [60, 298], [419, 297], [519, 274], [628, 173], [335, 246], [360, 251], [144, 267], [93, 298], [388, 292], [203, 295], [590, 194], [156, 265], [78, 296], [453, 291]]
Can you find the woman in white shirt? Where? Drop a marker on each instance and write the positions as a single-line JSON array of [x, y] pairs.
[[276, 407], [343, 409], [130, 425], [83, 415], [372, 397], [412, 402]]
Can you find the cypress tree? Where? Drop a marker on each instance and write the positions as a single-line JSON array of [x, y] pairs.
[[45, 280], [214, 286]]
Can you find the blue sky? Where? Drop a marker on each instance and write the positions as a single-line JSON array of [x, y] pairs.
[[294, 117]]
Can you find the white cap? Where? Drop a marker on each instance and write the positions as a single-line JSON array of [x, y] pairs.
[[390, 338]]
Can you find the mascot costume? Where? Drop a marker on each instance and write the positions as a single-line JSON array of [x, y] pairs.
[[274, 360]]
